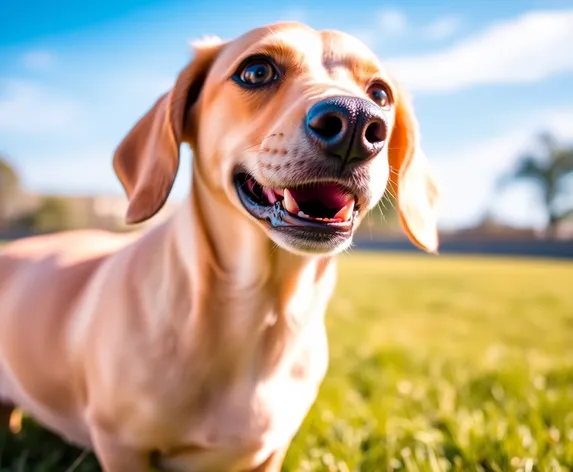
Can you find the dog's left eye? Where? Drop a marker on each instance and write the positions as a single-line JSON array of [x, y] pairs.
[[379, 95], [257, 73]]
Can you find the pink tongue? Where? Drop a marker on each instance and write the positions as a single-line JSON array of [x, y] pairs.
[[270, 194], [331, 195]]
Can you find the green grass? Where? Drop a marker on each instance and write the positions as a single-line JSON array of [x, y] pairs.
[[437, 364]]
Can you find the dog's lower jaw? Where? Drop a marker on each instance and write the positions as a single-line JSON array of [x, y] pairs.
[[301, 235], [313, 245]]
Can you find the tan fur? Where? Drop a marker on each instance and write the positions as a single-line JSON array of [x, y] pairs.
[[200, 341]]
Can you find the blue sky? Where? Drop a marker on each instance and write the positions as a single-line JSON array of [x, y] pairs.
[[486, 77]]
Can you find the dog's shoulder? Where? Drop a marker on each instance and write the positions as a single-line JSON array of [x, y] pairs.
[[73, 246], [68, 257]]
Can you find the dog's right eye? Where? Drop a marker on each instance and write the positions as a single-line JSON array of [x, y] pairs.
[[256, 73]]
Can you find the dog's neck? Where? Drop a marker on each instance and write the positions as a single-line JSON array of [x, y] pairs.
[[253, 295], [239, 255]]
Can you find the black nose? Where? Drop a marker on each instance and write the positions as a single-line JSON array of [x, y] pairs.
[[350, 128]]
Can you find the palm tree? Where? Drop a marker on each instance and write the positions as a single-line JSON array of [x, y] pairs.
[[548, 171]]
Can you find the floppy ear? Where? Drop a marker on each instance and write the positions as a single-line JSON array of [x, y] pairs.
[[146, 161], [411, 179]]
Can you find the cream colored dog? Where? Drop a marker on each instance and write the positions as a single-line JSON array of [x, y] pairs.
[[201, 342]]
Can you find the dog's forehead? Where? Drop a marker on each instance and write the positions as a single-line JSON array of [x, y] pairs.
[[302, 44], [338, 46]]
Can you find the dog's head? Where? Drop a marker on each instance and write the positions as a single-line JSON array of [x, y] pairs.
[[299, 131]]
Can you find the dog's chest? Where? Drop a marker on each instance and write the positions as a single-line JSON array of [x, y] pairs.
[[242, 389], [242, 425]]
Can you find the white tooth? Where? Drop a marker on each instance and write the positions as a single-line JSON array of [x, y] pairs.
[[290, 203], [302, 214], [345, 213]]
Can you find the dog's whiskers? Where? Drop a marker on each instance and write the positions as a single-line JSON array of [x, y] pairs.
[[248, 148], [380, 209], [387, 199]]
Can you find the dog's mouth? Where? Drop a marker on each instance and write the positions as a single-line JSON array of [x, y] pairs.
[[326, 207]]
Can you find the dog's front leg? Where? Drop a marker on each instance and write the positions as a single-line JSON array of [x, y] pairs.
[[116, 457], [273, 463]]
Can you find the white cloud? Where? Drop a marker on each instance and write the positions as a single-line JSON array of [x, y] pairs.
[[293, 14], [527, 49], [82, 171], [87, 170], [31, 109], [393, 22], [138, 86], [38, 60], [367, 36], [443, 28], [561, 123], [468, 175]]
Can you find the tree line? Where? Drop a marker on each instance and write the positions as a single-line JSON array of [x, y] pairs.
[[50, 214]]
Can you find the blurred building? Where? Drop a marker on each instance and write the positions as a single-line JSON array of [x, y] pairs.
[[565, 229], [73, 212]]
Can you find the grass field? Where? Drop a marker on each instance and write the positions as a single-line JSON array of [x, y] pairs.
[[437, 363]]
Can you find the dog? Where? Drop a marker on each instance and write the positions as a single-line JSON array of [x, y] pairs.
[[200, 341]]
